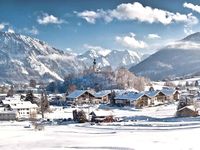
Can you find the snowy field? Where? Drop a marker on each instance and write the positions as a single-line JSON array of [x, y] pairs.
[[146, 129]]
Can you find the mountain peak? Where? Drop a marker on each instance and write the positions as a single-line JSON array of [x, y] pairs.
[[195, 37]]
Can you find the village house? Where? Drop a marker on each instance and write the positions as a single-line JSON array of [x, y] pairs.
[[153, 96], [162, 96], [193, 90], [24, 109], [81, 97], [137, 100], [103, 96], [57, 99], [171, 94], [187, 111]]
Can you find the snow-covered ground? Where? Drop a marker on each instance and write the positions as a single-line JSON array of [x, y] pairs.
[[148, 128]]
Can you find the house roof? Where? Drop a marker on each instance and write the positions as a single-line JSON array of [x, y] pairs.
[[77, 93], [130, 96], [9, 102], [152, 93], [191, 107], [25, 104], [168, 92], [102, 93]]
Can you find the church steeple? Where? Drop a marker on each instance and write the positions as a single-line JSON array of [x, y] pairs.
[[94, 65]]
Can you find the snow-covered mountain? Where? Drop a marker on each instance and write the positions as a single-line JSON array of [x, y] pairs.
[[113, 58], [23, 58], [180, 58]]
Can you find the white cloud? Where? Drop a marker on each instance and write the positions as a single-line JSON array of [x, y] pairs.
[[2, 26], [92, 16], [89, 16], [192, 6], [153, 36], [10, 30], [49, 19], [136, 11], [130, 42], [33, 30]]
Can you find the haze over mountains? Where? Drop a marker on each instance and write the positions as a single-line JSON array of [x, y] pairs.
[[178, 59], [23, 58]]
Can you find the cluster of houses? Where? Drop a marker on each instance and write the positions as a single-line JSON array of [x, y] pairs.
[[125, 98], [13, 107]]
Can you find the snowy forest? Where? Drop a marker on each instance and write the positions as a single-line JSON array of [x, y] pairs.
[[106, 79]]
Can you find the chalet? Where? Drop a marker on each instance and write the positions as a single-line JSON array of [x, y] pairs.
[[193, 90], [133, 99], [171, 94], [81, 97], [153, 96], [103, 96], [164, 95], [187, 111]]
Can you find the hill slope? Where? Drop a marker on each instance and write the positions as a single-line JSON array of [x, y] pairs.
[[181, 58]]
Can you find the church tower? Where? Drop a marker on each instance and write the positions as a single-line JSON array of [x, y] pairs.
[[94, 65]]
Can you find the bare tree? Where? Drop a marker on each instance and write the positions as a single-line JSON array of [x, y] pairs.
[[10, 91], [44, 105]]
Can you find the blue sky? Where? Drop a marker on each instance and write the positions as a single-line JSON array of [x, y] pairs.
[[79, 25]]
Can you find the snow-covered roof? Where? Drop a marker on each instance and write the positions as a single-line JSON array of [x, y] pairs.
[[77, 93], [102, 93], [168, 92], [3, 94], [8, 102], [152, 93], [120, 91], [25, 104], [193, 88], [191, 107], [130, 96]]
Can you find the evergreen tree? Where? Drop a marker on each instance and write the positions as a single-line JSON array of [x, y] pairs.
[[30, 97]]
